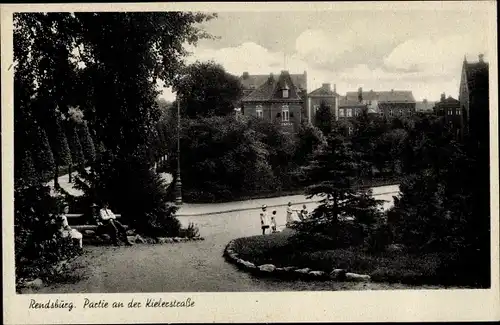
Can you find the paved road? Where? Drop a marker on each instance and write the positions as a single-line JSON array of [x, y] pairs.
[[193, 266]]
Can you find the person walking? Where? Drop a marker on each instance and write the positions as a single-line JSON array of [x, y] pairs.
[[108, 218], [264, 219]]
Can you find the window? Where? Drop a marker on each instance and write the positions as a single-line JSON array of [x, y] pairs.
[[458, 111], [390, 113], [285, 93], [349, 112], [341, 112], [285, 113], [356, 112], [400, 112], [258, 109], [450, 111], [316, 107], [349, 130]]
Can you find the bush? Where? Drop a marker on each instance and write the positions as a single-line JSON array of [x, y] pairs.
[[190, 232]]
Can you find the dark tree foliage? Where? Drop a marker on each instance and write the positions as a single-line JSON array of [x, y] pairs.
[[87, 143], [77, 158], [309, 138], [333, 174], [222, 159], [323, 118], [206, 89], [60, 148]]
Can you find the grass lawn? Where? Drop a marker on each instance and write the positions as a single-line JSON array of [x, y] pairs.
[[399, 267]]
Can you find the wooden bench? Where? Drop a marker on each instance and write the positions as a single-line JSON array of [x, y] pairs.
[[81, 228]]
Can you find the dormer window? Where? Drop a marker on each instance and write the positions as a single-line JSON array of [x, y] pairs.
[[285, 91]]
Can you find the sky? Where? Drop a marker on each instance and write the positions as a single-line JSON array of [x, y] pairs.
[[417, 50]]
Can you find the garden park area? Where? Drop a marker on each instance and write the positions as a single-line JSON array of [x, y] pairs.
[[87, 102]]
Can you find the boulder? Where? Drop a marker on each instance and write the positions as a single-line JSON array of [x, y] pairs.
[[317, 273], [105, 237], [357, 277], [303, 271], [289, 268], [130, 232], [267, 268], [161, 240], [88, 232], [395, 248], [280, 269], [249, 265], [176, 239], [35, 284], [338, 274]]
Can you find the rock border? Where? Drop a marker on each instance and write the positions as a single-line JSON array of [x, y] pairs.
[[290, 272], [94, 239]]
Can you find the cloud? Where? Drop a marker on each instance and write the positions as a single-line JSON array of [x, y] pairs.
[[436, 57], [427, 66], [317, 46]]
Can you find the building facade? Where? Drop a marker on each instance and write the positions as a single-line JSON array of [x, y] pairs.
[[449, 108], [474, 99], [278, 99], [326, 96], [390, 104]]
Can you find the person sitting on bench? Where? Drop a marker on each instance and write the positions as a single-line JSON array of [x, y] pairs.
[[108, 218], [65, 230]]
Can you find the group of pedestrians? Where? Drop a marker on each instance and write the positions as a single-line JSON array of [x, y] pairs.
[[267, 222]]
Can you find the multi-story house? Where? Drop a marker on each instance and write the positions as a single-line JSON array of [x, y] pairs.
[[474, 100], [280, 99], [323, 95], [390, 104], [449, 108]]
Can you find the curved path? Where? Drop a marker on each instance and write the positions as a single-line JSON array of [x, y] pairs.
[[195, 266]]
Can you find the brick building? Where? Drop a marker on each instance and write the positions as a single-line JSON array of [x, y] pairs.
[[449, 108], [394, 103], [280, 99], [474, 99], [324, 95]]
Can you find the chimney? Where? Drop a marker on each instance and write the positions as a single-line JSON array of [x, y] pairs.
[[360, 94], [245, 75], [392, 90], [443, 96], [481, 58], [326, 86]]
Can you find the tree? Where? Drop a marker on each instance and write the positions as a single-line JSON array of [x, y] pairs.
[[25, 173], [309, 138], [333, 174], [206, 89], [60, 147], [87, 143], [223, 159], [323, 118]]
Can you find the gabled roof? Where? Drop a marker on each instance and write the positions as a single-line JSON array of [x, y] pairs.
[[272, 88], [323, 92], [394, 96], [346, 102], [448, 102], [256, 80]]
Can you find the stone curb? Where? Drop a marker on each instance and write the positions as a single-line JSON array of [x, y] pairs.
[[137, 239], [290, 272]]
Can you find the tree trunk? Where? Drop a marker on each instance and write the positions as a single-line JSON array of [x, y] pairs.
[[56, 177], [70, 170]]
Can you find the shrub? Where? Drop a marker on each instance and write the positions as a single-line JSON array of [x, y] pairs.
[[191, 231]]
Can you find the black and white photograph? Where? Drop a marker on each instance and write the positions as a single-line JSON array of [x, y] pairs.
[[250, 151]]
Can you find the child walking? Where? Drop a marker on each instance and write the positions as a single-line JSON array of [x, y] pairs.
[[273, 222]]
